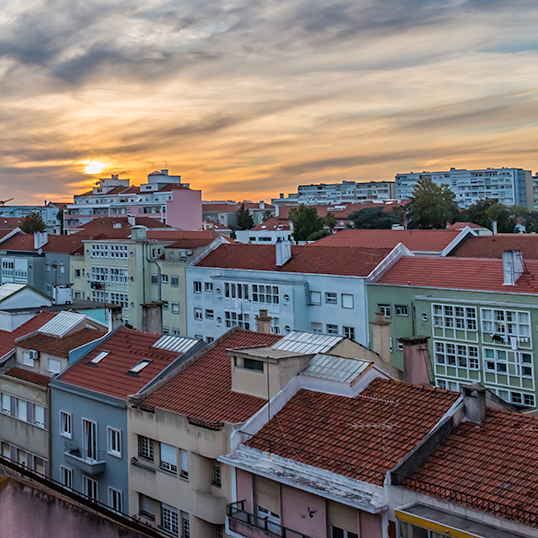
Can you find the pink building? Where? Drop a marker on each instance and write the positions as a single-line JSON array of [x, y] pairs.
[[163, 197]]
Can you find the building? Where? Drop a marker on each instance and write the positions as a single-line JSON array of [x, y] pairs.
[[49, 212], [338, 193], [308, 288], [225, 213], [89, 409], [163, 197], [494, 246], [511, 186], [270, 231]]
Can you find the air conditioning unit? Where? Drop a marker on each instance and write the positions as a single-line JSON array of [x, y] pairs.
[[34, 354]]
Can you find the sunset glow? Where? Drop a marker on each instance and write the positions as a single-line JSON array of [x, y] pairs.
[[94, 167]]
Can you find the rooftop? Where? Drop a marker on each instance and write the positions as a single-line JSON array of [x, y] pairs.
[[274, 223], [344, 209], [305, 259], [493, 246], [304, 342], [204, 389], [27, 375], [479, 274], [7, 339], [334, 368], [361, 437]]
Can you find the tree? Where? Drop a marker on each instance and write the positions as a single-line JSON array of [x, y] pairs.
[[484, 212], [318, 235], [477, 213], [306, 221], [504, 216], [244, 218], [60, 217], [330, 221], [531, 222], [432, 206], [267, 214], [33, 223], [373, 218]]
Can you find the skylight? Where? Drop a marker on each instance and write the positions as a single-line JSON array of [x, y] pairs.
[[140, 366], [99, 357]]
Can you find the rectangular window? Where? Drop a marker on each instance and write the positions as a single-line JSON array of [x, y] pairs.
[[78, 273], [184, 464], [6, 404], [66, 424], [217, 476], [168, 455], [332, 329], [175, 308], [198, 314], [26, 360], [185, 525], [154, 278], [197, 287], [55, 366], [164, 279], [174, 281], [384, 308], [349, 332], [114, 442], [315, 298], [115, 499], [209, 314], [89, 439], [401, 310], [233, 319], [22, 410], [316, 327], [39, 416], [331, 298], [166, 305], [169, 519], [145, 447], [252, 364], [90, 487], [66, 476], [347, 300], [166, 330], [209, 286]]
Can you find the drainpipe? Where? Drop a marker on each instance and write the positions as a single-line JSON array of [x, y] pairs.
[[158, 272]]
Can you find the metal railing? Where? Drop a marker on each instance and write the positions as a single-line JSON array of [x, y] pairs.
[[467, 499], [89, 456], [236, 511]]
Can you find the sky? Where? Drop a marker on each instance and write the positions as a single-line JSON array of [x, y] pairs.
[[248, 98]]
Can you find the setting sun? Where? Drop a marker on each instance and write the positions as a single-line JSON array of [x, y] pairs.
[[94, 167]]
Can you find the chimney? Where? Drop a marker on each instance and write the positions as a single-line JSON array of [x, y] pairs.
[[264, 322], [152, 317], [474, 402], [512, 266], [277, 210], [115, 318], [131, 219], [494, 228], [40, 239], [164, 172], [262, 204], [416, 358], [283, 251], [381, 337]]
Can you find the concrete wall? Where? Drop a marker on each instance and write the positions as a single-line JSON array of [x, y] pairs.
[[185, 210]]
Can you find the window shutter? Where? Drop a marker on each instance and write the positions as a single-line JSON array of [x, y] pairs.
[[30, 412], [30, 461], [13, 455], [266, 494], [344, 517], [13, 406]]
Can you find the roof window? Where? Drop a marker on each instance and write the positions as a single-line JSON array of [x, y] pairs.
[[139, 367], [100, 357]]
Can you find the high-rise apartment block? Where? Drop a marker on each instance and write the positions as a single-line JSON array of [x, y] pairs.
[[511, 186]]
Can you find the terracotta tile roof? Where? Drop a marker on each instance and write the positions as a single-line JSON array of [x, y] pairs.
[[60, 347], [220, 208], [345, 208], [459, 273], [10, 223], [171, 234], [304, 259], [195, 239], [461, 225], [272, 224], [203, 390], [414, 240], [256, 206], [361, 437], [68, 244], [126, 348], [7, 339], [27, 375], [496, 461], [494, 246]]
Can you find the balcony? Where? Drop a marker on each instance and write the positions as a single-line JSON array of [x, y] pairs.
[[251, 526], [89, 462]]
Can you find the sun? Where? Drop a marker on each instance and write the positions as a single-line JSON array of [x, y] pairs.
[[94, 167]]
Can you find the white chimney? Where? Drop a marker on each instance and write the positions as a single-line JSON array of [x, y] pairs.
[[262, 204], [277, 210], [283, 251], [40, 239], [131, 219], [512, 266], [494, 228]]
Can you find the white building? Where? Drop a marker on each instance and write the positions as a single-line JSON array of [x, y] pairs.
[[270, 231], [511, 186]]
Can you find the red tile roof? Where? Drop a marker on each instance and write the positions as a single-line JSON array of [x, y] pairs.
[[361, 437], [27, 375], [304, 259], [60, 347], [172, 234], [494, 246], [10, 223], [195, 239], [459, 273], [496, 461], [414, 240], [230, 207], [345, 208], [204, 390], [272, 224], [461, 225], [7, 339], [126, 348], [255, 206]]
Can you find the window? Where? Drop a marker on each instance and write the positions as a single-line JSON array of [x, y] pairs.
[[39, 416], [26, 359], [89, 439], [341, 533], [166, 305], [219, 531], [347, 300], [66, 424], [164, 279], [145, 447], [184, 464], [66, 476], [174, 281], [175, 308], [209, 286], [114, 499], [384, 309], [401, 310], [168, 455], [459, 355], [154, 278], [509, 323], [166, 330], [198, 314], [236, 291], [275, 325], [114, 442], [22, 410], [252, 364], [185, 525], [265, 294], [315, 298], [77, 273], [6, 404], [233, 319], [447, 319], [139, 367], [332, 329], [62, 268], [217, 476], [98, 358], [55, 366], [175, 332], [209, 339], [349, 332], [197, 287], [169, 519], [90, 487], [331, 298], [316, 328], [524, 364]]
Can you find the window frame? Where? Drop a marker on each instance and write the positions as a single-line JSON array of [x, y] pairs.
[[331, 297], [112, 433]]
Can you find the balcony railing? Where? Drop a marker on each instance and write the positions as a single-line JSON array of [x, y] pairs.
[[91, 462], [252, 526], [467, 499]]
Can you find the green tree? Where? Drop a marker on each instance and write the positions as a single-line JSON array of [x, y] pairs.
[[33, 223], [306, 221], [432, 206], [318, 235], [506, 218], [244, 218], [477, 213], [267, 214], [330, 221], [531, 222], [373, 218], [60, 217]]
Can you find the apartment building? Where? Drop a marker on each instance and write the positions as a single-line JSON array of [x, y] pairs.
[[225, 213], [511, 186], [49, 213], [164, 197]]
